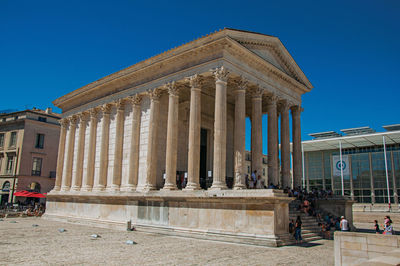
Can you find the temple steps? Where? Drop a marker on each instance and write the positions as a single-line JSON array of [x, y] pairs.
[[310, 231]]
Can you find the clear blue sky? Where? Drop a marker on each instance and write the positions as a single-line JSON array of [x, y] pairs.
[[349, 50]]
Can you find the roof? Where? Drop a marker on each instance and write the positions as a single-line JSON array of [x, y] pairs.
[[352, 141], [123, 79], [35, 111]]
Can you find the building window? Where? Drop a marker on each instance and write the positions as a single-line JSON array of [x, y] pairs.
[[263, 171], [10, 164], [37, 166], [1, 140], [42, 119], [13, 139], [39, 141], [248, 169], [6, 186]]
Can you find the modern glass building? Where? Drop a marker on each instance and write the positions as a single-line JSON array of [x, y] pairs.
[[353, 163]]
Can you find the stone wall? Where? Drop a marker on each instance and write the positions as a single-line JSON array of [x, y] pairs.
[[357, 248], [252, 217]]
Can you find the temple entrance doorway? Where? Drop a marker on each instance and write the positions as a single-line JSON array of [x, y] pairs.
[[204, 180]]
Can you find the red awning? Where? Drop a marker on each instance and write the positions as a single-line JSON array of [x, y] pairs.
[[28, 194]]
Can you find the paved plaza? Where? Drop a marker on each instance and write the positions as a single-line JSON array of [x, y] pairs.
[[23, 243]]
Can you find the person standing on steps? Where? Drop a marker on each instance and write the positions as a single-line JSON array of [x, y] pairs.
[[297, 230]]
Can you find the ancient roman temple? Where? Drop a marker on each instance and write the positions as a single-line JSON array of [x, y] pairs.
[[129, 139]]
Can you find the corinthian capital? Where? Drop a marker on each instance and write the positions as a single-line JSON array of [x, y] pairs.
[[93, 112], [106, 109], [272, 99], [155, 94], [136, 99], [120, 104], [242, 84], [221, 74], [284, 106], [257, 92], [172, 88], [64, 122], [84, 116], [73, 119], [194, 81]]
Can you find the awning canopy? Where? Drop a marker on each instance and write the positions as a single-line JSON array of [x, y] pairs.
[[28, 194], [357, 141]]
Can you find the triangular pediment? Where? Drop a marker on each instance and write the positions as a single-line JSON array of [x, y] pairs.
[[268, 55], [270, 49]]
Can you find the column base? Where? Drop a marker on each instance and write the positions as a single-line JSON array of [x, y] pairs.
[[56, 188], [128, 188], [169, 186], [148, 187], [65, 188], [239, 186], [75, 188], [192, 186], [99, 188], [218, 186], [113, 188], [86, 188]]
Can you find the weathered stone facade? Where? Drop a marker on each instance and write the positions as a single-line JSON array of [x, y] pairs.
[[182, 112]]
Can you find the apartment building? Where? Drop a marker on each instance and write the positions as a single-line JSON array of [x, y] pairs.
[[28, 151]]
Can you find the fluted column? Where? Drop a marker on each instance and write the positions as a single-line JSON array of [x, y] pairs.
[[297, 158], [172, 137], [240, 134], [285, 145], [272, 140], [66, 181], [194, 134], [80, 152], [88, 178], [134, 148], [256, 130], [150, 183], [61, 152], [219, 173], [105, 139], [119, 143]]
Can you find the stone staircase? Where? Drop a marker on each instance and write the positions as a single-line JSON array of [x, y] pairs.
[[310, 231]]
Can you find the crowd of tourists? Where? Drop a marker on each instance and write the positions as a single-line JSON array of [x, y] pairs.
[[255, 181]]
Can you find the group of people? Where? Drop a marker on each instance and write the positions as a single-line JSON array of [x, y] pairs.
[[37, 210], [255, 181], [387, 226]]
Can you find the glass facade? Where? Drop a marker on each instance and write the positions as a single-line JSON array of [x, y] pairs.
[[367, 172]]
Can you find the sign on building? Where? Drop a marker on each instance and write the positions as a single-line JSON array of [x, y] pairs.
[[337, 165]]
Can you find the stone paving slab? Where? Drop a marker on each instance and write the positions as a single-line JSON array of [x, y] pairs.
[[21, 243]]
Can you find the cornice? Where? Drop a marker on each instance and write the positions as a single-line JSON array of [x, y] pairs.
[[189, 55]]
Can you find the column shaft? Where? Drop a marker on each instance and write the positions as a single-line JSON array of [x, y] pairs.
[[150, 183], [240, 135], [219, 173], [272, 141], [172, 137], [119, 145], [104, 148], [88, 178], [194, 134], [135, 147], [297, 157], [256, 131], [66, 181], [285, 146], [80, 153], [61, 152]]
